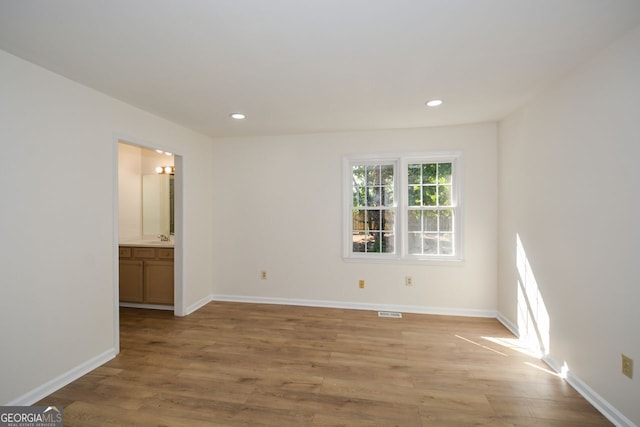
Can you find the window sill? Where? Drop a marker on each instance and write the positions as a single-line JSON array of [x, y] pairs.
[[457, 262]]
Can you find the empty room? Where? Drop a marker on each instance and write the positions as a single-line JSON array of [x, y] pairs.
[[357, 212]]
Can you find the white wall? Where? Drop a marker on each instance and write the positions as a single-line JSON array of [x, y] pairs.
[[278, 207], [58, 218], [568, 187]]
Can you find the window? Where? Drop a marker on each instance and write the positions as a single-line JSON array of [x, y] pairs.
[[373, 209], [403, 207]]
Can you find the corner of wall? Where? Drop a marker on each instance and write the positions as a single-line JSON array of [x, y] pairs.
[[513, 328], [62, 380], [607, 409]]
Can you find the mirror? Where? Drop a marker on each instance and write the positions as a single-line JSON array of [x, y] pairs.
[[157, 205]]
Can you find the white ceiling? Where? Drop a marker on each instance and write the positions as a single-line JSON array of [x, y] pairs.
[[301, 66]]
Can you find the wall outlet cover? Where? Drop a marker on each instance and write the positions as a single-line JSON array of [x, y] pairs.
[[627, 366]]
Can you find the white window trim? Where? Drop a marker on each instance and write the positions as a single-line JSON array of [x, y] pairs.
[[400, 162]]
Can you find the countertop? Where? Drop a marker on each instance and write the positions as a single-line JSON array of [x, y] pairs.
[[148, 242]]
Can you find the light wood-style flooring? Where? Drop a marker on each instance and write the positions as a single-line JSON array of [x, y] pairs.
[[251, 364]]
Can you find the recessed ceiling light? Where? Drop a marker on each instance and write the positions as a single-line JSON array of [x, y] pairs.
[[434, 102], [238, 116]]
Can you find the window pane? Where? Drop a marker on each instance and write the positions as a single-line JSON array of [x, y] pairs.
[[446, 220], [373, 220], [429, 196], [358, 176], [444, 173], [415, 243], [427, 244], [430, 244], [387, 220], [414, 220], [446, 244], [374, 242], [429, 173], [358, 241], [358, 186], [358, 196], [373, 196], [430, 220], [387, 196], [414, 174], [358, 220], [444, 195], [373, 175], [414, 195], [387, 174], [388, 241]]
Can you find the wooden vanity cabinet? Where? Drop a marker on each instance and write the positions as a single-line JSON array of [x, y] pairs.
[[146, 275]]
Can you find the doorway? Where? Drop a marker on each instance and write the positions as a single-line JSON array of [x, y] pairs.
[[134, 160]]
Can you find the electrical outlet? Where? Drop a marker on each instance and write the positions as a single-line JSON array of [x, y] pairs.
[[627, 366], [263, 274], [361, 284], [408, 280]]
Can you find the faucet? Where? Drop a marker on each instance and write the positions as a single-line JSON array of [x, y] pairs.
[[164, 238]]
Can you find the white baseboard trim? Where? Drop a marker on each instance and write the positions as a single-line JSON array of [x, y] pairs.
[[62, 380], [508, 324], [357, 306], [608, 410], [198, 304]]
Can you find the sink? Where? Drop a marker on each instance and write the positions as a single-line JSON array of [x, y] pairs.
[[155, 242]]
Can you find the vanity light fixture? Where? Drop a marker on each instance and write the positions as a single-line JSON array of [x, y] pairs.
[[164, 152], [169, 170], [238, 116], [433, 103]]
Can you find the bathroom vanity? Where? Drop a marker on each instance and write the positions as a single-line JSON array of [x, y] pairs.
[[146, 272]]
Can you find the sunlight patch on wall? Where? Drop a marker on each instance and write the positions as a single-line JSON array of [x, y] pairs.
[[533, 318]]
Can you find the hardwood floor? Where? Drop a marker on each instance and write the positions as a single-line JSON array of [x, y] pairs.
[[250, 364]]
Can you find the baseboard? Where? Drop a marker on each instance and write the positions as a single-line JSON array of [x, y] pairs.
[[508, 324], [608, 410], [198, 304], [357, 306], [62, 380]]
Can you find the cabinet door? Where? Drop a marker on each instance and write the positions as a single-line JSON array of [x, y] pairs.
[[130, 281], [158, 282]]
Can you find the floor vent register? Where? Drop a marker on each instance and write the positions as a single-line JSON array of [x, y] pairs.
[[392, 314]]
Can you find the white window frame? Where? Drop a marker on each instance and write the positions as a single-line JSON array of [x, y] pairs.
[[401, 233]]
